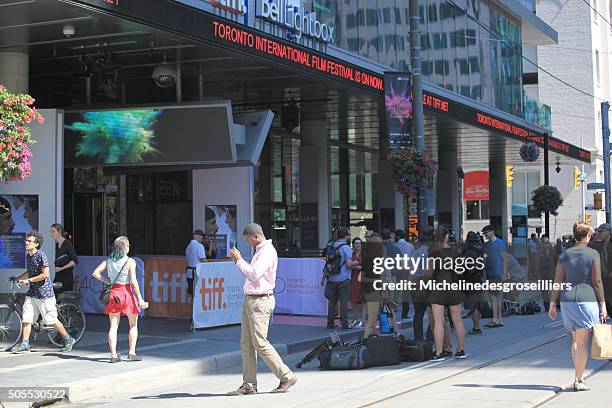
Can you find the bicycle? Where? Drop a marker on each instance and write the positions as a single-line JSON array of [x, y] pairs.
[[68, 313]]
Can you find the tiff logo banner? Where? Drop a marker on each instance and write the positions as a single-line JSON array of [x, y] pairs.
[[168, 287], [212, 291], [238, 7]]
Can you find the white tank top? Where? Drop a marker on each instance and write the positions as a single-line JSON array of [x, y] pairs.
[[113, 268]]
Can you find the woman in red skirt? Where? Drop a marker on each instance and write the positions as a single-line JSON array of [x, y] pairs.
[[121, 271], [357, 298]]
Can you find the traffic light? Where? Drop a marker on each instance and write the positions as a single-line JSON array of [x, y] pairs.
[[577, 180], [509, 175], [598, 201], [587, 218]]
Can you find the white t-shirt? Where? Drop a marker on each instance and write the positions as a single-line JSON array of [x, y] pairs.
[[193, 253]]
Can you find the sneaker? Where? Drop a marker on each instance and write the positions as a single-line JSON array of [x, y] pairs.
[[134, 357], [68, 345], [447, 354], [245, 389], [474, 332], [353, 324], [438, 357], [20, 349], [579, 385], [460, 354], [284, 386], [359, 324]]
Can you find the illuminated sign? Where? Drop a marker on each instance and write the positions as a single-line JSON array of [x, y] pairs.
[[283, 13], [233, 6], [486, 121], [253, 41]]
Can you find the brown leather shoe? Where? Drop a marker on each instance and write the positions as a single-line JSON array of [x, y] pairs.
[[244, 389], [284, 386]]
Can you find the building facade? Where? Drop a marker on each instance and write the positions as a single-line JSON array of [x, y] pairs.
[[312, 71]]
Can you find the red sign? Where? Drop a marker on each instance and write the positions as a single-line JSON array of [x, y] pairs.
[[295, 55], [476, 185]]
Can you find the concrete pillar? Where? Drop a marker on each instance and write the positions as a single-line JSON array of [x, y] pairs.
[[14, 61], [400, 211], [448, 190], [314, 174], [498, 197], [15, 71]]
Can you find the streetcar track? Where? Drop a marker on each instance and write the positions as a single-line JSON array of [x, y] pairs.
[[478, 367], [566, 389]]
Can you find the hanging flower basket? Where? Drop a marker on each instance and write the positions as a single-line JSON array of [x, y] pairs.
[[16, 112], [411, 169], [547, 199], [529, 152]]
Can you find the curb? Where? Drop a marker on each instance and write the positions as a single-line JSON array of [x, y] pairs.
[[100, 388]]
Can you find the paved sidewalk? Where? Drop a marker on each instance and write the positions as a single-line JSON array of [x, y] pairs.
[[168, 348], [597, 397]]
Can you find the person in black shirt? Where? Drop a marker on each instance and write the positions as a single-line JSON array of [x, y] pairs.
[[65, 258], [473, 299], [439, 256]]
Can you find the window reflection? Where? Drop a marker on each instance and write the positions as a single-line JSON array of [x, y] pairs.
[[475, 54]]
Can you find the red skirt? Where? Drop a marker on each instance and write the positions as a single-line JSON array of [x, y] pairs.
[[127, 302], [356, 292]]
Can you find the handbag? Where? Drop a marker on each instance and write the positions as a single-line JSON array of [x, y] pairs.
[[601, 348], [106, 290], [385, 319]]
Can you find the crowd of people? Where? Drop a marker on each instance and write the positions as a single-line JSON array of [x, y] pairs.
[[545, 262], [354, 283]]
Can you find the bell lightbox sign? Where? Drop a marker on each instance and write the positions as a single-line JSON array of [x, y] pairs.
[[302, 22]]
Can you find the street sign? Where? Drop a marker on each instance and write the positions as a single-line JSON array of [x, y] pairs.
[[583, 177], [596, 186]]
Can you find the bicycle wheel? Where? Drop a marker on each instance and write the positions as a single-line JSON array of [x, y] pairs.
[[73, 320], [10, 327]]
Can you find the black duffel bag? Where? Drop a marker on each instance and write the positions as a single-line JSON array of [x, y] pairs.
[[382, 351], [414, 350]]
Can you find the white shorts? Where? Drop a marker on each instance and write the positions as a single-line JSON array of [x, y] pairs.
[[32, 307]]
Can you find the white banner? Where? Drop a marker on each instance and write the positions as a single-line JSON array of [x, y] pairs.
[[218, 294], [298, 287]]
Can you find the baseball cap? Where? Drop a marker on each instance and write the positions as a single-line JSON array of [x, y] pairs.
[[488, 228], [199, 232], [604, 227]]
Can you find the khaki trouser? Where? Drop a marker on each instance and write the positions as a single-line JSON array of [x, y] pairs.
[[256, 313], [373, 309], [446, 345]]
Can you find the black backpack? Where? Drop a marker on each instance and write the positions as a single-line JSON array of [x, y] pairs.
[[333, 261]]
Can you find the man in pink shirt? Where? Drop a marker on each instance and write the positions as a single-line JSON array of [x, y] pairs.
[[258, 306]]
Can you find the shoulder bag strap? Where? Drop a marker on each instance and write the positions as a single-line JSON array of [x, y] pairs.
[[120, 271]]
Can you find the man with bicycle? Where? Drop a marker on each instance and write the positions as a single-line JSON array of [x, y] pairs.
[[40, 298]]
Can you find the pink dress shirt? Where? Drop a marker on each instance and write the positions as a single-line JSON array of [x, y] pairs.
[[260, 274]]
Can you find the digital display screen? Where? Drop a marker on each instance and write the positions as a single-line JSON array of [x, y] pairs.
[[149, 136]]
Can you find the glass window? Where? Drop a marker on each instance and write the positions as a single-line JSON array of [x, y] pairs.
[[472, 208]]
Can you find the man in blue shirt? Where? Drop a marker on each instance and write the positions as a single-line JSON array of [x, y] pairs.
[[496, 272], [338, 287]]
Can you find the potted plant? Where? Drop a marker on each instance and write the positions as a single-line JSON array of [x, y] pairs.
[[16, 112], [411, 169]]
